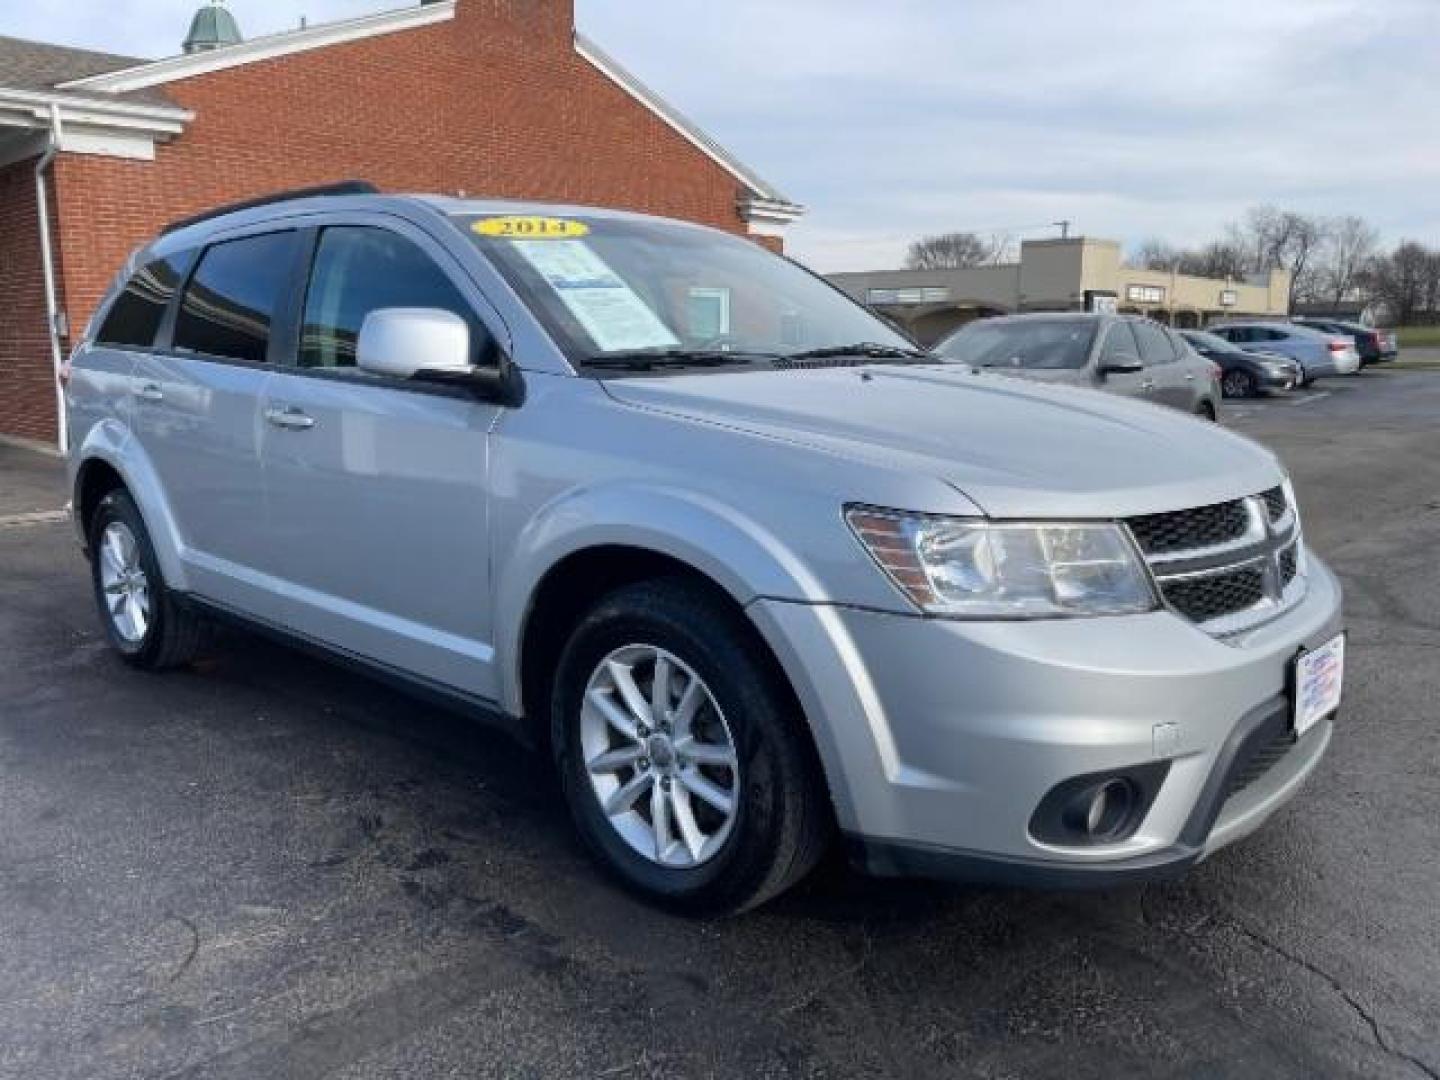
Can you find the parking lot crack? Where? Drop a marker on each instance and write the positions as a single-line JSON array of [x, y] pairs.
[[1377, 1031]]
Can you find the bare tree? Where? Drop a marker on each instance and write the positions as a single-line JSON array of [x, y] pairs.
[[956, 250], [1351, 247], [1155, 254], [1283, 239], [1406, 280]]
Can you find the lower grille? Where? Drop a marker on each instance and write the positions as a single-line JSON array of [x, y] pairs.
[[1214, 595], [1265, 757]]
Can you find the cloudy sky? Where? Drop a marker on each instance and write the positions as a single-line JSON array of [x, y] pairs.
[[892, 120]]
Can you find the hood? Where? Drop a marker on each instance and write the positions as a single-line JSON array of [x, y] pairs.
[[1013, 447]]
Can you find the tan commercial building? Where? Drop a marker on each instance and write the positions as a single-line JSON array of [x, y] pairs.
[[1072, 274]]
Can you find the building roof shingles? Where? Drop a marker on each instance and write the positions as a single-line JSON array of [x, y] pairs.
[[40, 67]]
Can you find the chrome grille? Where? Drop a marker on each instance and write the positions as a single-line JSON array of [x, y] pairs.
[[1275, 503], [1225, 566], [1210, 596], [1182, 530]]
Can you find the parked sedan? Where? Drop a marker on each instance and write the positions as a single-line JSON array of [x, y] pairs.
[[1318, 353], [1118, 353], [1244, 374], [1375, 346]]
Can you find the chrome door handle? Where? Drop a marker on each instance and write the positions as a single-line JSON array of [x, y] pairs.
[[292, 419], [150, 392], [1147, 386], [1189, 376]]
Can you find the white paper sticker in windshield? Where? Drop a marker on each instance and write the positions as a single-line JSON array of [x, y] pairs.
[[610, 311]]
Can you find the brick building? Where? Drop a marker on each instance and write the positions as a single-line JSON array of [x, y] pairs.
[[485, 97]]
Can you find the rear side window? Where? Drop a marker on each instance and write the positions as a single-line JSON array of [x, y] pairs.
[[135, 317], [232, 300], [359, 269], [1155, 346]]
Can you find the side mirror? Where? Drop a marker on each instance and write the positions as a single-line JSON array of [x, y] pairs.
[[1120, 363], [428, 344]]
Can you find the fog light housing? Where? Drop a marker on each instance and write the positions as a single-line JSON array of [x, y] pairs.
[[1098, 808]]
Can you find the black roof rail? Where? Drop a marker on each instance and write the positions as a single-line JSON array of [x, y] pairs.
[[344, 187]]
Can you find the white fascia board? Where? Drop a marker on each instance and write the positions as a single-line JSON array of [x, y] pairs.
[[160, 119], [612, 69], [107, 142], [159, 72]]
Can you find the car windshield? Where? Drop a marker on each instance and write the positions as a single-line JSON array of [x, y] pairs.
[[1213, 342], [655, 293], [1045, 344]]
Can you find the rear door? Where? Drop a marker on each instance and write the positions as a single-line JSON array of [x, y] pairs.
[[378, 498], [197, 397], [1119, 344]]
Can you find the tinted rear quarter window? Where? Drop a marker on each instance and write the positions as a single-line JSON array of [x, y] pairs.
[[135, 317], [229, 307]]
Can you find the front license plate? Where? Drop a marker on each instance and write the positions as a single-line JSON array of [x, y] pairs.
[[1318, 677]]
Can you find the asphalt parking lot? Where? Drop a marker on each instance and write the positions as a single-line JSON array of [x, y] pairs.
[[269, 867]]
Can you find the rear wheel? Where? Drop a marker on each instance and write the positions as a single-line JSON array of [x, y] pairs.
[[1205, 411], [142, 618], [687, 771]]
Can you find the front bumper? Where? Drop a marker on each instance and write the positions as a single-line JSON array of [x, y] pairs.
[[940, 738]]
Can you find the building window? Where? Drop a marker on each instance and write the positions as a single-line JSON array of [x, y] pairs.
[[1145, 294], [708, 311]]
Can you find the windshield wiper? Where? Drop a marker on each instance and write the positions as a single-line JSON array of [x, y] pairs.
[[872, 349], [648, 359]]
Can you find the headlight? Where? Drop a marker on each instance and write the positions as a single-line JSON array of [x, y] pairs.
[[980, 569]]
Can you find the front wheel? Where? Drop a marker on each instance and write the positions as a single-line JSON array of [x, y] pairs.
[[142, 618], [686, 767], [1239, 384]]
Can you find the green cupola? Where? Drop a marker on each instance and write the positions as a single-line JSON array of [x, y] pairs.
[[213, 27]]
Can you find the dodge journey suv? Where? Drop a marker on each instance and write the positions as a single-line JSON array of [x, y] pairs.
[[758, 574]]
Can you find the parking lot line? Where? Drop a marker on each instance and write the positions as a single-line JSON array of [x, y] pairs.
[[1312, 398]]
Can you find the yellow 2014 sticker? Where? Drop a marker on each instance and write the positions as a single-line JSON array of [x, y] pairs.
[[531, 228]]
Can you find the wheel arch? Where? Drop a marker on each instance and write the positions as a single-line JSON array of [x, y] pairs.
[[110, 457]]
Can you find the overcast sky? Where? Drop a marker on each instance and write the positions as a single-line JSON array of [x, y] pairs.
[[891, 120]]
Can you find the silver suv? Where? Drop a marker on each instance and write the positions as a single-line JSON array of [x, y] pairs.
[[754, 571]]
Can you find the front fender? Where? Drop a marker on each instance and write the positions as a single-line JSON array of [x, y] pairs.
[[737, 553], [114, 444]]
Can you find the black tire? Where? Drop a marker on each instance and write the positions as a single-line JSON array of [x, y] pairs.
[[782, 823], [174, 634], [1206, 411], [1239, 383]]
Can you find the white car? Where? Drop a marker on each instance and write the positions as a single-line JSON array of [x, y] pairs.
[[1318, 353]]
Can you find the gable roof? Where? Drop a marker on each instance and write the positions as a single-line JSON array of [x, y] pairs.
[[148, 76], [40, 67]]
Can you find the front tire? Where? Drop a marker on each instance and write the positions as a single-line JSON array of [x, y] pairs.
[[143, 619], [686, 766]]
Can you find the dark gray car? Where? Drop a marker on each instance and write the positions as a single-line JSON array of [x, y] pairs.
[[1118, 353]]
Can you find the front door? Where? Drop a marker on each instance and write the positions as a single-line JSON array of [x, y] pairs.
[[377, 486], [197, 397]]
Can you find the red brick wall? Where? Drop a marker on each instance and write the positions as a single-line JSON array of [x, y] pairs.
[[494, 103], [27, 389]]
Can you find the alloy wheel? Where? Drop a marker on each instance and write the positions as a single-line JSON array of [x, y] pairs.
[[123, 582], [660, 757]]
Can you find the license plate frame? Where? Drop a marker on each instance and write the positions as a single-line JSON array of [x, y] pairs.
[[1317, 677]]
